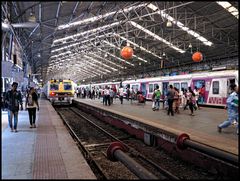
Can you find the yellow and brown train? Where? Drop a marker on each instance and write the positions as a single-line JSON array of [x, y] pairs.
[[60, 91]]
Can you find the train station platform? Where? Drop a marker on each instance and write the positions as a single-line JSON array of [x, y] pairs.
[[201, 128], [45, 152]]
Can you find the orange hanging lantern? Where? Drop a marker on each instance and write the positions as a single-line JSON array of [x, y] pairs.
[[127, 52], [197, 57]]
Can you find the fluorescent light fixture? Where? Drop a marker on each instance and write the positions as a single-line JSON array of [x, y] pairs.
[[142, 48], [99, 68], [219, 68], [180, 25], [97, 18], [61, 54], [119, 49], [106, 60], [88, 66], [156, 36], [228, 6], [100, 63], [79, 43], [116, 57], [5, 26], [86, 32]]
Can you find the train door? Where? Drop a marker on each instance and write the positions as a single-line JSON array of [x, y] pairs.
[[230, 81], [143, 89], [164, 88], [217, 95], [200, 84]]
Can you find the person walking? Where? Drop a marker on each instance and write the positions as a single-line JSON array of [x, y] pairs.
[[196, 92], [13, 99], [190, 100], [232, 109], [111, 95], [157, 93], [31, 105], [170, 97], [121, 94], [176, 100]]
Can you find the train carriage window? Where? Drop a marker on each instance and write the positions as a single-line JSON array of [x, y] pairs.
[[184, 85], [53, 87], [155, 85], [177, 85], [215, 87], [150, 88], [135, 87], [67, 86]]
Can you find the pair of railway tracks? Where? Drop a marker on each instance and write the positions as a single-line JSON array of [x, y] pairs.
[[137, 160]]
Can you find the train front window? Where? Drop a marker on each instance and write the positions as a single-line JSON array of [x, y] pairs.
[[53, 87], [67, 86]]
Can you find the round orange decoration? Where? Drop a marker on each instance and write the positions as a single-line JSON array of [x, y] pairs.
[[197, 57], [127, 52]]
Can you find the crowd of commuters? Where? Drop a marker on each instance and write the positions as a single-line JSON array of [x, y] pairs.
[[176, 99], [173, 101]]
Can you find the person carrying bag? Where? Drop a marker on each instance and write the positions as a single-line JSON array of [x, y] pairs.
[[31, 105]]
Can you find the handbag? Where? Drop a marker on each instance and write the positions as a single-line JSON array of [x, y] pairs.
[[153, 105]]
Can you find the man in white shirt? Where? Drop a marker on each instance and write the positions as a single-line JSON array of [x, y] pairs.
[[121, 94]]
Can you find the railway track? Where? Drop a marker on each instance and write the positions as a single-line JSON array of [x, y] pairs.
[[94, 137]]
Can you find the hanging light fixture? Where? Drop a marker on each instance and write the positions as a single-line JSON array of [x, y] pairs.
[[190, 45], [32, 18], [169, 23]]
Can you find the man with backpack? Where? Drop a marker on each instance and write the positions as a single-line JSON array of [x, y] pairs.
[[157, 94]]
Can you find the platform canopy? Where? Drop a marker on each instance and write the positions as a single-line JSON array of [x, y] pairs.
[[82, 40]]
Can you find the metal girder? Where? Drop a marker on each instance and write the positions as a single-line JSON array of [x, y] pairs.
[[24, 11], [207, 18], [57, 13], [33, 30], [74, 11], [40, 12]]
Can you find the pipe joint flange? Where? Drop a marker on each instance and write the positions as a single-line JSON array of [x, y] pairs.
[[112, 148], [180, 141]]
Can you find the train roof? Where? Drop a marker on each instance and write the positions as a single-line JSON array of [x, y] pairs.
[[176, 77], [187, 76], [59, 80]]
